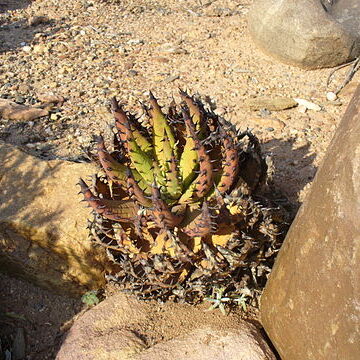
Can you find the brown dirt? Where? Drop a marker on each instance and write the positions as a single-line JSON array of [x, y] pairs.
[[39, 312], [168, 320], [89, 51]]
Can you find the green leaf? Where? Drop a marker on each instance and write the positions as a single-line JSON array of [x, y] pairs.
[[163, 137], [188, 162], [141, 161]]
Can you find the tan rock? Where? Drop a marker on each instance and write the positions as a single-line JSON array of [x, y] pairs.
[[303, 32], [24, 89], [272, 104], [105, 331], [37, 20], [310, 307], [308, 105], [40, 49], [50, 98], [114, 329], [43, 235], [205, 343], [13, 111]]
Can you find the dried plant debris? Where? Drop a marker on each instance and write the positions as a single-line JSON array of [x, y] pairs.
[[180, 206]]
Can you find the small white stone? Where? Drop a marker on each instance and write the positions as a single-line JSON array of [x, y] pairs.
[[308, 104], [135, 42], [302, 109], [331, 96], [26, 48], [122, 50]]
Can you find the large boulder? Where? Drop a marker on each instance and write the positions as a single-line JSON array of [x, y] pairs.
[[347, 13], [310, 307], [122, 327], [242, 343], [43, 234], [306, 33]]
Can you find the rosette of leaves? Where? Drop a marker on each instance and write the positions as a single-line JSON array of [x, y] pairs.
[[178, 204]]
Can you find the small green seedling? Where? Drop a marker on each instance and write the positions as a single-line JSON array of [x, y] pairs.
[[90, 298], [219, 300]]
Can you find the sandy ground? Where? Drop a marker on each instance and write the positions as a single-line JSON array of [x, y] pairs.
[[89, 51]]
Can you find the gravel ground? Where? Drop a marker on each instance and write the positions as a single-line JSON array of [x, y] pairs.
[[88, 51]]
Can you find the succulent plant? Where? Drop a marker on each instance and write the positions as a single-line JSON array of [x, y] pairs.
[[179, 206]]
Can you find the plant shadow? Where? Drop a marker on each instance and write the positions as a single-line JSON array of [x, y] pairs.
[[10, 5], [23, 183], [293, 169]]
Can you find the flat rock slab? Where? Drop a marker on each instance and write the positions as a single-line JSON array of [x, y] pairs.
[[310, 307], [121, 327], [13, 111], [43, 224], [307, 33], [273, 104]]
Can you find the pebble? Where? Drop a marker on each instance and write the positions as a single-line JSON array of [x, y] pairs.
[[24, 89], [171, 78], [133, 72], [122, 50], [331, 96], [268, 122], [135, 42], [50, 98], [48, 131], [37, 20], [161, 59], [54, 117], [308, 104], [26, 48], [53, 84], [19, 100], [171, 49], [40, 49]]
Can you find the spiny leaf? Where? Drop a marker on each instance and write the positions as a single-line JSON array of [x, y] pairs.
[[162, 215], [188, 160], [204, 180], [124, 123], [163, 137], [201, 225], [135, 191], [118, 210], [196, 113], [115, 171], [141, 161], [230, 163], [162, 244], [173, 183]]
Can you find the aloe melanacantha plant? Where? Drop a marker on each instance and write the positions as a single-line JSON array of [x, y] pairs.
[[178, 204]]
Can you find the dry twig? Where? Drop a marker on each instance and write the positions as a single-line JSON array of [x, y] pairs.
[[354, 68]]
